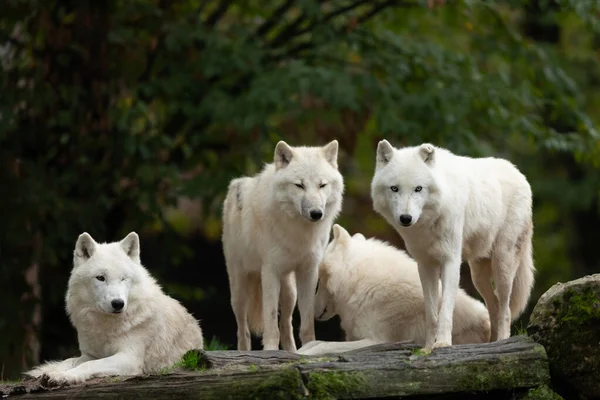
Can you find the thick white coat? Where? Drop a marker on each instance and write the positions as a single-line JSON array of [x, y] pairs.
[[276, 225], [125, 324], [450, 208], [375, 289]]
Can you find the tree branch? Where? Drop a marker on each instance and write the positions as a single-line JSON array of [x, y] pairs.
[[288, 32], [333, 14], [221, 9], [274, 19]]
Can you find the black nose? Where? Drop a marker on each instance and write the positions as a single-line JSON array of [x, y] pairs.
[[316, 215], [405, 219], [117, 305]]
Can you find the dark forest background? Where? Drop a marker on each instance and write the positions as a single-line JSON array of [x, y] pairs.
[[124, 115]]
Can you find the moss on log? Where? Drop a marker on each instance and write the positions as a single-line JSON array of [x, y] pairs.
[[382, 371]]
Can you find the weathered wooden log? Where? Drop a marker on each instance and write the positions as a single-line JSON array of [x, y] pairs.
[[381, 371]]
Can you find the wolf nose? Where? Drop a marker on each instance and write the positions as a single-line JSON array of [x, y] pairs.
[[117, 305], [316, 215], [405, 219]]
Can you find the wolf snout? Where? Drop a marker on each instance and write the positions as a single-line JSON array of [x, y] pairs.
[[406, 219], [117, 305], [316, 215]]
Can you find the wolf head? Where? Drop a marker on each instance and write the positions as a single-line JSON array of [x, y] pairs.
[[404, 184], [335, 260], [307, 180], [104, 274]]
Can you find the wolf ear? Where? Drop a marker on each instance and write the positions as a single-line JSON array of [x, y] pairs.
[[283, 155], [340, 235], [427, 153], [331, 153], [385, 152], [131, 246], [84, 249]]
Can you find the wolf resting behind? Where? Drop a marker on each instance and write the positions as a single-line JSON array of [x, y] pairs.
[[449, 208], [276, 225], [125, 324], [375, 289]]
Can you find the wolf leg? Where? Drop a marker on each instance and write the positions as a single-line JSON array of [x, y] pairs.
[[125, 364], [270, 297], [450, 281], [306, 278], [56, 366], [287, 300], [239, 303], [429, 276], [481, 274]]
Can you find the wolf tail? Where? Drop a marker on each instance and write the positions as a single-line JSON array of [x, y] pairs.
[[255, 314], [524, 278]]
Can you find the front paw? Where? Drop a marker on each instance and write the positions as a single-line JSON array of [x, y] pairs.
[[439, 345], [61, 378]]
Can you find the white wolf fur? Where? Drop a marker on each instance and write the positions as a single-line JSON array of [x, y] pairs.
[[450, 208], [375, 289], [276, 225], [125, 324]]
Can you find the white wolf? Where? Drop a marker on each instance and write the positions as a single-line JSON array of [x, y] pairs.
[[275, 227], [375, 289], [125, 324], [450, 208]]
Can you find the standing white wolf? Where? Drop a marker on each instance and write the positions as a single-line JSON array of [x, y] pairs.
[[275, 228], [375, 289], [125, 324], [450, 208]]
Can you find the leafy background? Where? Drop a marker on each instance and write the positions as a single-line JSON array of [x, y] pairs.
[[129, 115]]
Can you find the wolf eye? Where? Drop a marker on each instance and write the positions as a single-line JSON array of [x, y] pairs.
[[418, 189], [322, 185], [301, 186], [394, 188], [100, 278]]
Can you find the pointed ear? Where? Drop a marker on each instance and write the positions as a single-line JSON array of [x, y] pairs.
[[385, 152], [331, 153], [427, 153], [85, 247], [131, 246], [283, 155], [340, 235]]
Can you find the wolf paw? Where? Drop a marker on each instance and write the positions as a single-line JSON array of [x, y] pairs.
[[439, 345], [60, 378]]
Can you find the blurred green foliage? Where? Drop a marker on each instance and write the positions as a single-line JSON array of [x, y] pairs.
[[111, 112]]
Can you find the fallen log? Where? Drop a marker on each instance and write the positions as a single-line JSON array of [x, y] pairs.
[[381, 371]]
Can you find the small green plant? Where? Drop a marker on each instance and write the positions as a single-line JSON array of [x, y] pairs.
[[193, 360], [521, 330], [215, 344], [253, 368], [420, 352]]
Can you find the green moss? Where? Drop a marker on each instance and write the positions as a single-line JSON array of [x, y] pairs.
[[284, 384], [579, 306], [541, 393], [326, 384], [485, 376]]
